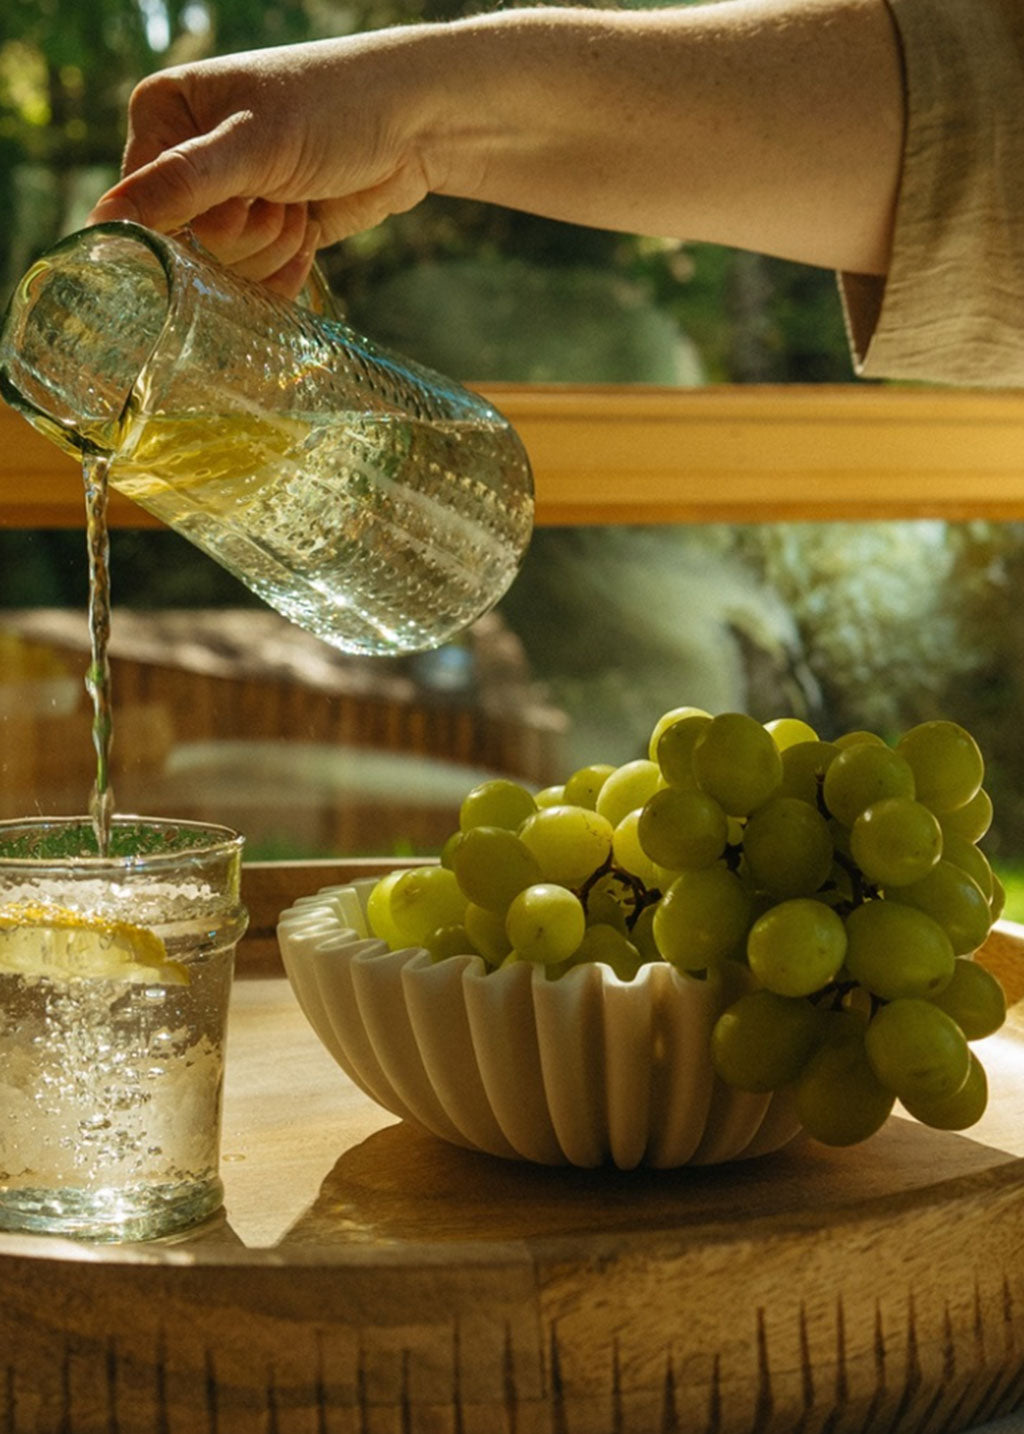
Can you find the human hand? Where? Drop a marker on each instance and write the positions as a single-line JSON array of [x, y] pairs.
[[268, 155]]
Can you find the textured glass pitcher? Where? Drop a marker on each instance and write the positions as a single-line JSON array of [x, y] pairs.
[[368, 499]]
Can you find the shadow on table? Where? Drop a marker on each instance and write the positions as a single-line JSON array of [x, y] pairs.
[[403, 1185]]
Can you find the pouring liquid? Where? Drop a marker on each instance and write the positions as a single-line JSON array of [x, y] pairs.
[[95, 471]]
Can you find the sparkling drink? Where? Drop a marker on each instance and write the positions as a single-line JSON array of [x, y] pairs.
[[376, 532], [115, 973]]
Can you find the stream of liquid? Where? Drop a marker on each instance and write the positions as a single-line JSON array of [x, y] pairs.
[[101, 803]]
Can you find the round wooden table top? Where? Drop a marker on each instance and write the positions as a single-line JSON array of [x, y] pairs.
[[367, 1278]]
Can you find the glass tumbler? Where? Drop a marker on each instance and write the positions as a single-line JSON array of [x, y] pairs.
[[115, 976], [369, 499]]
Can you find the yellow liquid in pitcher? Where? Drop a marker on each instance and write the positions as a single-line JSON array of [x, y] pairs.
[[377, 533]]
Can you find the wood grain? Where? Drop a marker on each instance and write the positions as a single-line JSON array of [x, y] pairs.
[[366, 1278]]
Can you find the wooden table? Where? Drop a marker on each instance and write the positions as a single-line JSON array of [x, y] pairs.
[[366, 1278]]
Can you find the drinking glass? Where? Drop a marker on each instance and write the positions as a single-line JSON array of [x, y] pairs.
[[115, 974]]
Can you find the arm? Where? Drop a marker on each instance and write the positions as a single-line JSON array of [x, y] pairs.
[[773, 125]]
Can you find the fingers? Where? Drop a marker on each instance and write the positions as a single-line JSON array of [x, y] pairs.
[[290, 278], [256, 239]]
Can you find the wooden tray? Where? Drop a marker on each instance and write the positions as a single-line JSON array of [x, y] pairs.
[[368, 1279]]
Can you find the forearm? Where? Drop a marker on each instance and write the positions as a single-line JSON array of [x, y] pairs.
[[773, 125]]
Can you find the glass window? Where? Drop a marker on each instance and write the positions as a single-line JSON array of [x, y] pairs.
[[221, 710]]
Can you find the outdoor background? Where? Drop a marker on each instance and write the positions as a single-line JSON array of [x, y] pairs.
[[847, 625]]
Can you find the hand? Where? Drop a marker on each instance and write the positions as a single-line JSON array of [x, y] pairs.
[[266, 156]]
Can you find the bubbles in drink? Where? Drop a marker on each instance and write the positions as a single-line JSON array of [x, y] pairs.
[[110, 1091], [379, 534]]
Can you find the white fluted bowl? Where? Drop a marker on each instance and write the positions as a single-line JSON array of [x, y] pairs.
[[587, 1070]]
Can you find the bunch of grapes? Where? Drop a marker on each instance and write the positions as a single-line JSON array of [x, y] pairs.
[[845, 876]]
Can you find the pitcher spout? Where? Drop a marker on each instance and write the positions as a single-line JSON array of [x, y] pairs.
[[78, 330]]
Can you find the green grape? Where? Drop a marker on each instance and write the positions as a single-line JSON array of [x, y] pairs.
[[896, 841], [947, 764], [568, 843], [422, 899], [486, 930], [582, 787], [917, 1051], [641, 933], [492, 866], [972, 820], [797, 947], [853, 739], [497, 803], [609, 901], [447, 856], [998, 902], [861, 775], [378, 910], [550, 797], [788, 731], [449, 941], [545, 923], [838, 1097], [736, 762], [609, 947], [668, 719], [681, 828], [702, 918], [803, 769], [674, 752], [955, 901], [974, 998], [788, 847], [897, 951], [967, 857], [963, 1108], [628, 853], [763, 1041], [626, 789]]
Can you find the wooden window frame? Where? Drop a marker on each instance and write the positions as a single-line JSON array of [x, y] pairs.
[[645, 455]]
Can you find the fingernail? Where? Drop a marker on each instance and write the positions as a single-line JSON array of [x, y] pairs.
[[114, 206]]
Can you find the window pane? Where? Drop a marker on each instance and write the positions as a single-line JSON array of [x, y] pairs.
[[222, 709]]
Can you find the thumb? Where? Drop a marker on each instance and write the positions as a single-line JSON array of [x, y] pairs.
[[186, 180]]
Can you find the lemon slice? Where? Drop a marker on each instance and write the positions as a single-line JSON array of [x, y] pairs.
[[37, 940]]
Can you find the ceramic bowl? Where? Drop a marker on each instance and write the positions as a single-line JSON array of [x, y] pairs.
[[587, 1070]]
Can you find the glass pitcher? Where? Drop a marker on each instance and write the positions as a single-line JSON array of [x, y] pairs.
[[368, 499]]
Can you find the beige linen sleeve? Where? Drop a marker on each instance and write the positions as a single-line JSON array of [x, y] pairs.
[[951, 309]]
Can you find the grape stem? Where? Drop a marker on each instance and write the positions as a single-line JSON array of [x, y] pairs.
[[643, 896], [862, 890]]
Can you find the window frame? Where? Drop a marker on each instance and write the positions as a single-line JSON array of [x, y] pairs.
[[647, 455]]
